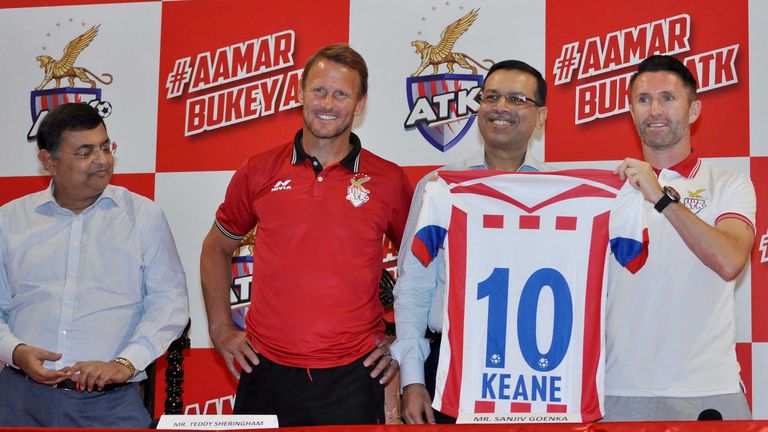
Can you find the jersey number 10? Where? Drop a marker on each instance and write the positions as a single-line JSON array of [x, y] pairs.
[[496, 288]]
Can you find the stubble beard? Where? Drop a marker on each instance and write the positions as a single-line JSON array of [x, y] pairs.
[[660, 143], [334, 133]]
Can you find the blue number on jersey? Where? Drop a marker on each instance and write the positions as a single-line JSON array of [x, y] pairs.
[[496, 288]]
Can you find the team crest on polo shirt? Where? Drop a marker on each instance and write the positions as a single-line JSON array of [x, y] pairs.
[[694, 201], [357, 194]]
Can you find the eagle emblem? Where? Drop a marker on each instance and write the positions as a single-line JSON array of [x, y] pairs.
[[65, 66], [694, 201], [435, 55], [357, 194]]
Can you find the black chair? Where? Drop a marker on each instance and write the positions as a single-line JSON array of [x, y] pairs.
[[174, 378]]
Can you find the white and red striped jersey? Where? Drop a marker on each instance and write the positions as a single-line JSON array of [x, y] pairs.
[[526, 266]]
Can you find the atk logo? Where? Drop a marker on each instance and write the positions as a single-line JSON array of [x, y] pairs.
[[57, 70], [442, 53], [281, 185], [357, 194], [442, 107], [764, 248], [242, 276], [627, 47], [390, 256], [694, 201]]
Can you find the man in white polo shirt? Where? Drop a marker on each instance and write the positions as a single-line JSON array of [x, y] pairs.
[[671, 327]]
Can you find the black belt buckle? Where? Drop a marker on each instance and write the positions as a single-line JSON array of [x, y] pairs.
[[66, 385]]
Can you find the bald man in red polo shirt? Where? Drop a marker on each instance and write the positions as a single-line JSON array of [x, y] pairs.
[[313, 351]]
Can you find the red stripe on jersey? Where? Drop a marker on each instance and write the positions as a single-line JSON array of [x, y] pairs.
[[590, 401], [739, 216], [529, 222], [482, 407], [605, 177], [493, 221], [565, 223], [557, 408], [639, 261], [457, 238], [421, 252], [695, 168], [519, 407], [580, 191]]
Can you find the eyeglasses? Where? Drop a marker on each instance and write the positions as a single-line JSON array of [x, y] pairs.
[[91, 151], [515, 100]]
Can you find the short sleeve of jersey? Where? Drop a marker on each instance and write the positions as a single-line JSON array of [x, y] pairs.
[[739, 201], [432, 222], [235, 216], [628, 229]]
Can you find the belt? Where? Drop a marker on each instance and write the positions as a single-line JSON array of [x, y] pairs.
[[69, 384]]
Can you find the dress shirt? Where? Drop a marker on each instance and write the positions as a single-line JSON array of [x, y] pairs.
[[97, 285], [420, 291]]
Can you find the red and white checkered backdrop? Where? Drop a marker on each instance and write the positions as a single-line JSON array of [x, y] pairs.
[[199, 85]]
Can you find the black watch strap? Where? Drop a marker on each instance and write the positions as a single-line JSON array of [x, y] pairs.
[[670, 196], [662, 203]]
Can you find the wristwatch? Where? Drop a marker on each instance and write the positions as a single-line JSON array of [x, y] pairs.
[[127, 363], [670, 196]]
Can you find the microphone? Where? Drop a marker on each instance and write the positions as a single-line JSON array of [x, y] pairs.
[[710, 414]]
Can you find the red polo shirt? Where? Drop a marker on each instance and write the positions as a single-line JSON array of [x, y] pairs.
[[317, 250]]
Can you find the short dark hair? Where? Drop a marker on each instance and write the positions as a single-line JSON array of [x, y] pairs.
[[541, 85], [666, 63], [66, 117], [342, 54]]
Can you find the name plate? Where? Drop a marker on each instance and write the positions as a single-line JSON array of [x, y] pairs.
[[496, 418], [217, 422]]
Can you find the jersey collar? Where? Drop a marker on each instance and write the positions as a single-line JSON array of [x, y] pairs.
[[351, 161], [687, 167]]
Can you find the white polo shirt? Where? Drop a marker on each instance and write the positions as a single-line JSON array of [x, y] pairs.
[[671, 327]]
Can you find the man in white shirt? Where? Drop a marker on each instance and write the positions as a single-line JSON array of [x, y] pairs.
[[91, 287], [670, 328], [512, 107]]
